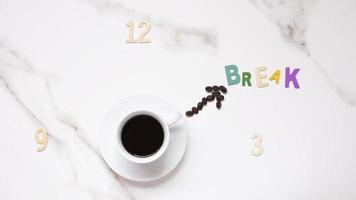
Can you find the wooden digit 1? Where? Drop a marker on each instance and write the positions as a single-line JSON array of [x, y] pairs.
[[41, 137], [257, 149], [131, 38]]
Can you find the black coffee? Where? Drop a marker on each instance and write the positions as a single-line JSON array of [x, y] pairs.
[[142, 135]]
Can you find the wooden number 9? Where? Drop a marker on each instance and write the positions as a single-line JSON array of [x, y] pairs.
[[257, 150], [41, 137]]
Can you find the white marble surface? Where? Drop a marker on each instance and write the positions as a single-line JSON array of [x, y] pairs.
[[63, 64]]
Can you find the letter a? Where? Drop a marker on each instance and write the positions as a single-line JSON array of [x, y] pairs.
[[275, 76]]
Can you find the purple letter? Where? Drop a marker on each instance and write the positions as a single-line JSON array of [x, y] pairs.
[[291, 77]]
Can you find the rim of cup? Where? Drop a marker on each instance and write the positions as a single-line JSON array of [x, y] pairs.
[[150, 158]]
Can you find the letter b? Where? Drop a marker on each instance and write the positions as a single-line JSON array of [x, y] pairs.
[[232, 74]]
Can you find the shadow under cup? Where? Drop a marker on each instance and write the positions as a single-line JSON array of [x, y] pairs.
[[143, 137]]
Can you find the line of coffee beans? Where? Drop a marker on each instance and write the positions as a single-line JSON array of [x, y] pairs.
[[215, 94]]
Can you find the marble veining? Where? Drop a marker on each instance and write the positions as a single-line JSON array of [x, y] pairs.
[[63, 62], [174, 36], [292, 19], [7, 57], [290, 16], [70, 134]]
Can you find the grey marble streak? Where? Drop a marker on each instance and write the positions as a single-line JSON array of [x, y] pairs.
[[65, 136], [291, 17], [173, 35], [5, 56], [178, 35]]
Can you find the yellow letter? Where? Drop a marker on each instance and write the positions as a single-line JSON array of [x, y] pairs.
[[275, 76]]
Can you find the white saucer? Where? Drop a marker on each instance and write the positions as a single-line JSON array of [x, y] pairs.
[[142, 172]]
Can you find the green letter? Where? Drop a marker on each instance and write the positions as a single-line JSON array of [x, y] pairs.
[[231, 74], [246, 78]]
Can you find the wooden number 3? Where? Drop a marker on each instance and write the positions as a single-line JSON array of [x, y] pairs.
[[257, 150], [141, 38], [41, 137]]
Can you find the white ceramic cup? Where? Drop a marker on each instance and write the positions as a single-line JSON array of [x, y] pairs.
[[165, 123]]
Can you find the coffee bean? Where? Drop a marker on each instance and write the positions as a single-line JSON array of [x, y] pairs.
[[208, 89], [204, 101], [218, 104], [216, 93], [195, 110], [200, 106], [210, 98], [222, 89], [189, 113], [220, 97]]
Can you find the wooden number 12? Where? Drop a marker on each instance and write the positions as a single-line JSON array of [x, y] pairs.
[[141, 38]]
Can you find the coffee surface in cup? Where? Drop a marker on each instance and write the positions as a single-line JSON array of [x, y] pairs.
[[142, 135]]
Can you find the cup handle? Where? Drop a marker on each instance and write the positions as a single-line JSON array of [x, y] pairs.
[[173, 118]]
